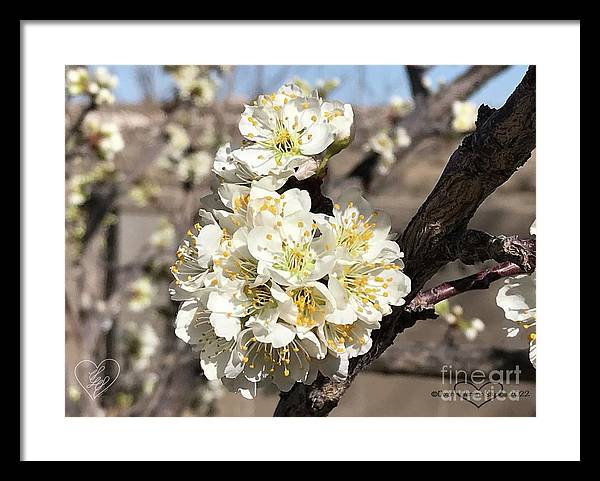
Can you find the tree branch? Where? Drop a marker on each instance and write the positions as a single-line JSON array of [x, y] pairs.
[[481, 280], [476, 246], [75, 128], [416, 78], [423, 304], [502, 142]]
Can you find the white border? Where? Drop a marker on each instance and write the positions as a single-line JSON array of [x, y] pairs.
[[554, 434]]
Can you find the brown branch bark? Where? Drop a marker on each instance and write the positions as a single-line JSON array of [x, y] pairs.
[[502, 142], [476, 246]]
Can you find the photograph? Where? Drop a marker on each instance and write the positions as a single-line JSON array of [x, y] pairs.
[[240, 237]]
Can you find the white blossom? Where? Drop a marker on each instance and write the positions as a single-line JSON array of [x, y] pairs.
[[105, 79], [177, 139], [194, 166], [103, 85], [142, 343], [77, 189], [211, 391], [164, 236], [402, 139], [341, 117], [285, 130], [517, 298], [77, 80], [194, 257], [473, 329], [360, 231], [400, 106], [141, 293], [104, 97], [454, 316], [74, 393], [478, 324], [194, 84], [232, 171], [142, 193], [366, 290], [217, 357], [99, 87], [383, 145], [104, 137], [464, 116], [284, 365], [290, 133], [366, 278]]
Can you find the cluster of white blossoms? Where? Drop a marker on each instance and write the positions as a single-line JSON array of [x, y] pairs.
[[141, 292], [99, 87], [164, 236], [141, 343], [517, 299], [385, 146], [286, 134], [144, 192], [400, 106], [194, 83], [104, 137], [195, 166], [270, 291], [190, 162], [455, 317], [464, 115], [80, 185]]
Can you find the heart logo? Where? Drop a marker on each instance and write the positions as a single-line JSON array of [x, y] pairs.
[[478, 395], [94, 378]]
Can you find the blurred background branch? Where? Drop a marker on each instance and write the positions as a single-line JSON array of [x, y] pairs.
[[425, 359]]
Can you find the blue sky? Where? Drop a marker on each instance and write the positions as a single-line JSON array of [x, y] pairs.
[[382, 81]]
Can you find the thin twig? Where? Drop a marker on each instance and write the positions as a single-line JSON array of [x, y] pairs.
[[481, 280]]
